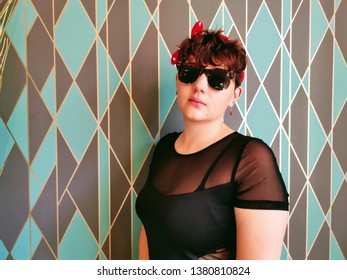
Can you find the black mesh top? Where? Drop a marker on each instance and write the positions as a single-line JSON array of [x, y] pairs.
[[187, 203]]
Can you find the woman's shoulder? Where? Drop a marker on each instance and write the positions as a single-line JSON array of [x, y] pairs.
[[255, 147], [253, 142], [258, 145]]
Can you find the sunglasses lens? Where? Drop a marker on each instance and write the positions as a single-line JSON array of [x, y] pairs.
[[218, 79], [188, 74]]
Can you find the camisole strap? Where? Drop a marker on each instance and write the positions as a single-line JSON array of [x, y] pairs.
[[245, 140], [214, 163]]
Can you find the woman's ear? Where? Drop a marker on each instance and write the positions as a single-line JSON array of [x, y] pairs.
[[236, 95], [237, 92]]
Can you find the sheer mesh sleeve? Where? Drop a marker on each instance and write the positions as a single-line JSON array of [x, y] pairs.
[[260, 183]]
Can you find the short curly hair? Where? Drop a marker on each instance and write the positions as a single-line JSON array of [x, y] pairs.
[[210, 47]]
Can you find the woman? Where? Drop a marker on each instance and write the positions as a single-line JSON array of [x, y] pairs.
[[211, 192]]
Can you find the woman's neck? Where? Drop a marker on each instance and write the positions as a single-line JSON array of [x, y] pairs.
[[197, 136]]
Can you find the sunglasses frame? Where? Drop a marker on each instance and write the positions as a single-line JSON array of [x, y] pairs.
[[209, 74]]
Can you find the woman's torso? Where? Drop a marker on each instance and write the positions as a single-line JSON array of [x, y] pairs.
[[187, 202]]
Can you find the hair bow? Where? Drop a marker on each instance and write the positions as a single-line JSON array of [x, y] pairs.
[[197, 28]]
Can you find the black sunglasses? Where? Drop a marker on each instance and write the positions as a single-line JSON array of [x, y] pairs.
[[218, 79]]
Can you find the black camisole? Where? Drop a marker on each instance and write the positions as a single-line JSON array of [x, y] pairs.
[[187, 203]]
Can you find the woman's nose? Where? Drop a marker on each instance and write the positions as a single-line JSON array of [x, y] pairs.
[[201, 84]]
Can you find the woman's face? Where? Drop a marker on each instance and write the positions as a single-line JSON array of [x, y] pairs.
[[199, 102]]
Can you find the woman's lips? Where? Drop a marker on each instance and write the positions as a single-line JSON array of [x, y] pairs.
[[196, 102]]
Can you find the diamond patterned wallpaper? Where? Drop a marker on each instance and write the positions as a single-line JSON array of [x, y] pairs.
[[88, 89]]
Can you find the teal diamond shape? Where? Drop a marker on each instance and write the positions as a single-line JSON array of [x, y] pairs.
[[318, 26], [21, 250], [167, 82], [48, 94], [6, 141], [218, 19], [332, 25], [263, 41], [36, 235], [335, 251], [34, 188], [340, 85], [45, 159], [285, 157], [140, 19], [102, 79], [156, 17], [317, 138], [78, 242], [295, 81], [285, 94], [126, 79], [286, 16], [141, 142], [336, 178], [284, 253], [262, 119], [328, 218], [31, 15], [18, 124], [241, 102], [101, 11], [3, 251], [113, 79], [228, 22], [193, 18], [306, 81], [16, 30], [74, 35], [315, 218], [76, 122]]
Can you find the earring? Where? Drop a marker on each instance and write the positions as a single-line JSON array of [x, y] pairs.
[[231, 108]]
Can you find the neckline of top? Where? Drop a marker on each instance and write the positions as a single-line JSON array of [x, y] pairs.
[[232, 134]]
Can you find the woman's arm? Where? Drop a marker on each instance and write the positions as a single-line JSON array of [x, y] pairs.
[[259, 233], [143, 246]]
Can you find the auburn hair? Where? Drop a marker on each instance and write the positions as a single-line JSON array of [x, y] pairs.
[[210, 47]]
